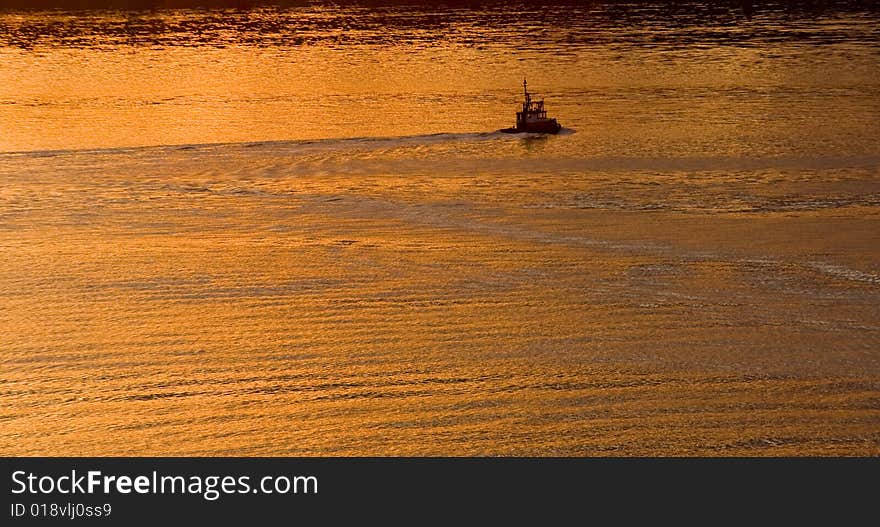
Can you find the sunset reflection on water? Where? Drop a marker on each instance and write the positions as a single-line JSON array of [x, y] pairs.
[[298, 232]]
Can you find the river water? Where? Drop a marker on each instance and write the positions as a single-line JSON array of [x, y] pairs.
[[297, 231]]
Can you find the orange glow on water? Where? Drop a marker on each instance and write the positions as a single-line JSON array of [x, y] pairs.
[[296, 233]]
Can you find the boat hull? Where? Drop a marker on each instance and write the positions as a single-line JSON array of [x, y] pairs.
[[548, 127]]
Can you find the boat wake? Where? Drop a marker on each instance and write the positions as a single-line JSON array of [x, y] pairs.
[[353, 143]]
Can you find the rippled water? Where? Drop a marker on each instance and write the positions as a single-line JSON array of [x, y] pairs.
[[297, 231]]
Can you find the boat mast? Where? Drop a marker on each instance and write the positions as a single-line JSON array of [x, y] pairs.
[[528, 97]]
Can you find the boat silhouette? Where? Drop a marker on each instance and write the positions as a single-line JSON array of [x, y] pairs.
[[533, 117]]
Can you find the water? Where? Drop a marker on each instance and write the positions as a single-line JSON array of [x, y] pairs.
[[296, 231]]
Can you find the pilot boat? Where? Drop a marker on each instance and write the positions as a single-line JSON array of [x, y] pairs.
[[533, 117]]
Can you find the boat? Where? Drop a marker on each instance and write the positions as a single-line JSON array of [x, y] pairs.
[[533, 117]]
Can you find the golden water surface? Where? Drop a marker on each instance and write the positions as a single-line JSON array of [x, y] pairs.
[[296, 232]]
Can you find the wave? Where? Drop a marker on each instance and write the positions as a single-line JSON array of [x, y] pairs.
[[329, 143], [564, 158]]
